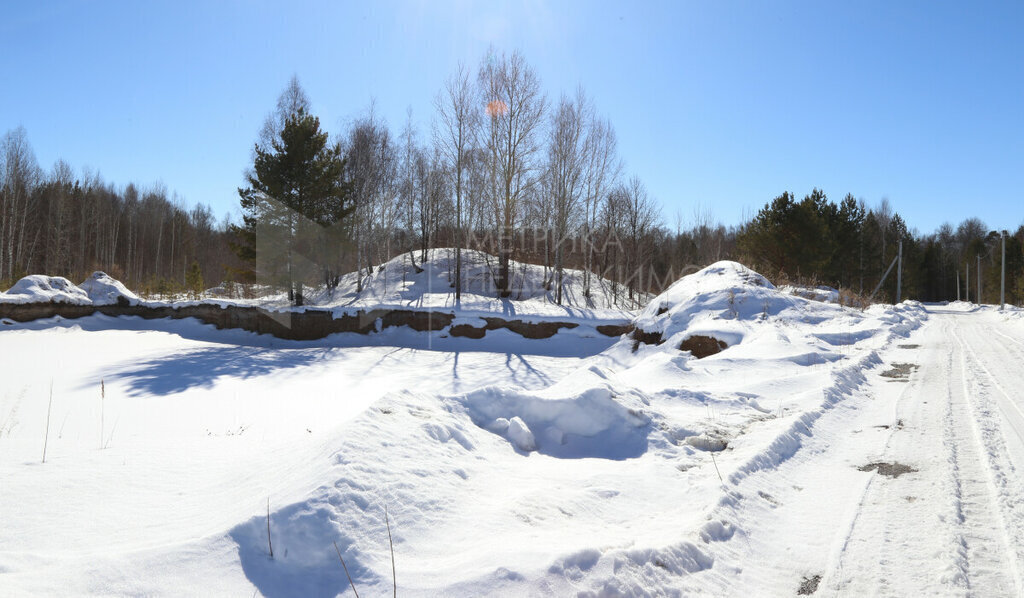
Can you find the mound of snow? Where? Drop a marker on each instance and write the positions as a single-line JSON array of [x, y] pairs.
[[729, 302], [408, 281], [724, 290], [37, 288], [102, 289], [565, 421]]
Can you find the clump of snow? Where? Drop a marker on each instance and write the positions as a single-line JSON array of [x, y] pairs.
[[520, 435], [37, 288], [731, 303], [103, 289]]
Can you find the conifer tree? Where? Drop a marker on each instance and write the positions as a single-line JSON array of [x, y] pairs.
[[295, 205]]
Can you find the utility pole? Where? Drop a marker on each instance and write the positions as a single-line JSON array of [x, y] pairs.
[[958, 284], [899, 273], [1002, 277], [979, 280]]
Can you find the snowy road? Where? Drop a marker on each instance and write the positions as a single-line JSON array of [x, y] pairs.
[[948, 404]]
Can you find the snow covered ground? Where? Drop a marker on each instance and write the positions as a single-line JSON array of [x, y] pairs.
[[408, 282], [401, 283], [522, 467]]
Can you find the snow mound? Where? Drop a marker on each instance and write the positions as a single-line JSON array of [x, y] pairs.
[[581, 424], [103, 289], [408, 281], [724, 291], [37, 288], [732, 304]]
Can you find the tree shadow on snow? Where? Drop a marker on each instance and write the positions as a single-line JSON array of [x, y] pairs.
[[202, 367]]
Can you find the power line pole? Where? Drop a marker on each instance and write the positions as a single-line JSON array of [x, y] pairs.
[[899, 273], [1002, 277]]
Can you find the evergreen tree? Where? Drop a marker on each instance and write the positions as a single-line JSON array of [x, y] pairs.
[[295, 205]]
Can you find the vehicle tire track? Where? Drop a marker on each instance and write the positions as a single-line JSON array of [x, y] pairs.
[[981, 472], [1003, 482]]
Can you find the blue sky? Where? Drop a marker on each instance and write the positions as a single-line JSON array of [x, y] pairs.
[[717, 105]]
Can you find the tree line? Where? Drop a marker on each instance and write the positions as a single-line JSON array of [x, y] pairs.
[[851, 246], [501, 168], [60, 223]]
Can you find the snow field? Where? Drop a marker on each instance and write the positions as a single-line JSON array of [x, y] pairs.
[[547, 467]]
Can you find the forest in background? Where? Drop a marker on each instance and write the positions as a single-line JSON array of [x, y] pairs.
[[562, 199]]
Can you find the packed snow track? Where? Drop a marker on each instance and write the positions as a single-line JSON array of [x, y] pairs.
[[944, 513]]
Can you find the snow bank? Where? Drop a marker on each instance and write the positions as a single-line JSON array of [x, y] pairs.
[[37, 288], [98, 289], [732, 303], [102, 289], [720, 301]]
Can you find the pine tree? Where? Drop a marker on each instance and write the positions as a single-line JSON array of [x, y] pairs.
[[295, 205]]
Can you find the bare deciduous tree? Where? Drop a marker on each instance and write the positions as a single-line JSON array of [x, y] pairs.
[[566, 172], [514, 112], [602, 171], [455, 136]]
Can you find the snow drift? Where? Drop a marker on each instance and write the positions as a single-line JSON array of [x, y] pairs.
[[103, 289], [37, 288], [98, 289]]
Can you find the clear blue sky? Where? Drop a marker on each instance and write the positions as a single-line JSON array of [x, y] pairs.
[[718, 104]]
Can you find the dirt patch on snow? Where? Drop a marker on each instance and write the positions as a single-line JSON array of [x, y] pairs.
[[900, 371], [309, 324], [808, 585], [893, 470], [615, 329], [647, 338], [701, 346], [533, 330], [467, 331]]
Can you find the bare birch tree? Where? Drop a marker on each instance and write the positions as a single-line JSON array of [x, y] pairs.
[[602, 171], [566, 172], [514, 109], [455, 136]]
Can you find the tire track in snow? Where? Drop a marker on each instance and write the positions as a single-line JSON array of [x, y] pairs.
[[961, 562], [982, 517], [872, 516]]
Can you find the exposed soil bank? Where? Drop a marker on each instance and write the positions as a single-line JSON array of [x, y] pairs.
[[701, 346], [311, 324]]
